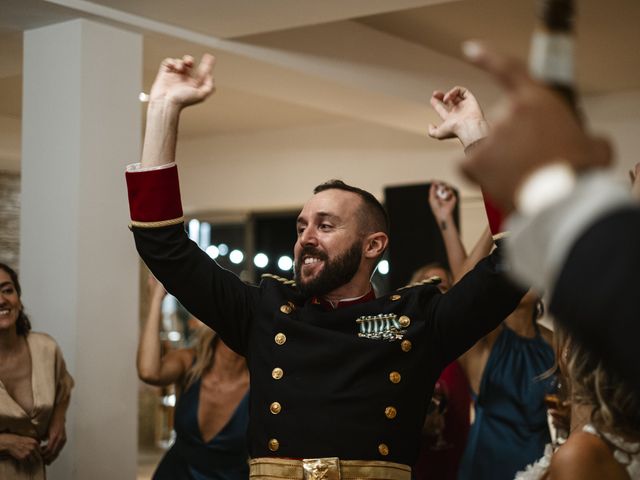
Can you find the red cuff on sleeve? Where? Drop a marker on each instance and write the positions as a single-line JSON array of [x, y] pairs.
[[494, 215], [154, 197]]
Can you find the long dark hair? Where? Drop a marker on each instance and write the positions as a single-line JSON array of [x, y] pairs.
[[23, 325]]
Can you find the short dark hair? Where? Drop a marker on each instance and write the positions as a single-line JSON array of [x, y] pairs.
[[372, 215], [420, 274], [23, 325]]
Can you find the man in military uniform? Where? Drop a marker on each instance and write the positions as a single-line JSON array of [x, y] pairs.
[[340, 380]]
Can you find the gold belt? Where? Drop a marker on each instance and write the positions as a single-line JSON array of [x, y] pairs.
[[330, 468]]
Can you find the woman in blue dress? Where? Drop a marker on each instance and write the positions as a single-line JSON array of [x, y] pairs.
[[505, 370], [506, 373], [212, 411]]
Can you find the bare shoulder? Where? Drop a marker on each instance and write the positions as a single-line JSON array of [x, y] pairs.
[[177, 362], [585, 456], [185, 356]]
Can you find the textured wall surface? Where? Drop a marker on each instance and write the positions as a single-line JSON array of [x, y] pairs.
[[9, 218]]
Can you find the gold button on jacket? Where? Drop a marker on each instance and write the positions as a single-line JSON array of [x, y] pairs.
[[275, 408], [277, 373], [390, 412], [286, 309], [274, 445]]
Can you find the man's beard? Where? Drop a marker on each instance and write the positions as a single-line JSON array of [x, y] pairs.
[[334, 273]]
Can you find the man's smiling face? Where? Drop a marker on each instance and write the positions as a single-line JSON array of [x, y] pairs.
[[328, 251]]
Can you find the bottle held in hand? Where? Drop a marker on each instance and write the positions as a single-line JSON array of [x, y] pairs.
[[551, 59]]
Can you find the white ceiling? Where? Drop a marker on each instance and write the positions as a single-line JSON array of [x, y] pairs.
[[236, 18], [302, 62]]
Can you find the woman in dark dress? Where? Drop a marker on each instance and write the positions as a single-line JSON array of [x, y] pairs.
[[212, 413]]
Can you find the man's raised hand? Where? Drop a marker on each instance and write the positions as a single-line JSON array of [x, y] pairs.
[[176, 86], [180, 84], [461, 116]]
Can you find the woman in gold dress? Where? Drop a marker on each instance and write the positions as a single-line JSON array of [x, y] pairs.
[[34, 390]]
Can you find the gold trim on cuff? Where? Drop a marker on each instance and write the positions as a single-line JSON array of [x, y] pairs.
[[161, 223], [500, 236]]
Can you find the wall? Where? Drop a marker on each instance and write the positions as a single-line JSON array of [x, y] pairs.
[[277, 169]]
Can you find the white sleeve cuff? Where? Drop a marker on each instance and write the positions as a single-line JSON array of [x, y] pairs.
[[539, 244], [544, 187], [137, 167]]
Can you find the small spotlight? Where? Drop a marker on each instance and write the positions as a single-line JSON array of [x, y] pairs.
[[194, 230], [261, 260], [223, 249], [143, 97], [174, 336], [383, 267], [285, 263], [236, 256], [212, 251], [205, 235]]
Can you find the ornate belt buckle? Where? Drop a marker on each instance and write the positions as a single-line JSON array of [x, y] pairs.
[[321, 468]]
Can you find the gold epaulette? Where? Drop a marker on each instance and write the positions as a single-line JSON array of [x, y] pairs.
[[435, 280], [282, 280]]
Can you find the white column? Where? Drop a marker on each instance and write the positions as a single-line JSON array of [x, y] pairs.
[[81, 126]]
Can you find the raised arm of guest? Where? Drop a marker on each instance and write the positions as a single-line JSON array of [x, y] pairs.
[[442, 201], [481, 249], [153, 367], [442, 207]]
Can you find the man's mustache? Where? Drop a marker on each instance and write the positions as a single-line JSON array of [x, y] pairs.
[[312, 252]]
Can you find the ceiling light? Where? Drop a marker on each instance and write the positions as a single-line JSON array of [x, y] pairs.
[[236, 256], [285, 263], [261, 260]]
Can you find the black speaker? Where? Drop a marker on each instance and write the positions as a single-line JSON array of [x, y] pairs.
[[414, 234]]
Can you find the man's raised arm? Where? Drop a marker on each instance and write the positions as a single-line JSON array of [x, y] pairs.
[[176, 86], [212, 294], [484, 297]]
